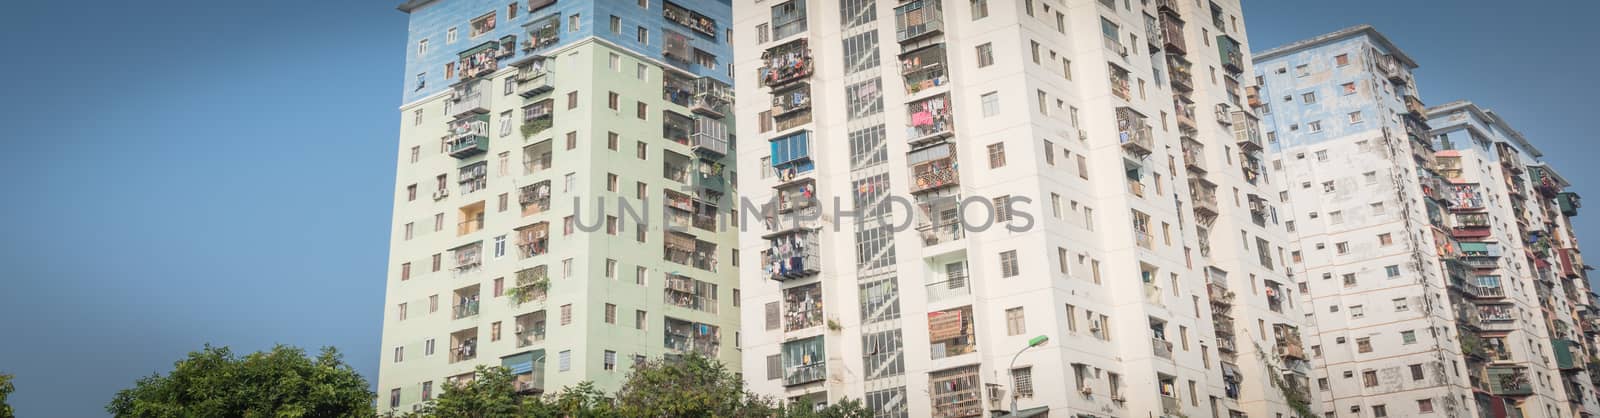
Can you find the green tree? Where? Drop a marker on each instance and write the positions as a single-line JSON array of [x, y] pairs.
[[6, 387], [283, 382], [690, 386]]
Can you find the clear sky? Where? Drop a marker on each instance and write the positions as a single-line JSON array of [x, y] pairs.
[[186, 171]]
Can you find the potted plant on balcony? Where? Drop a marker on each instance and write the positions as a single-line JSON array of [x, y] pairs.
[[528, 289], [535, 126]]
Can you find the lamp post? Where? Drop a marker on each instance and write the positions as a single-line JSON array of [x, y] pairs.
[[1032, 342]]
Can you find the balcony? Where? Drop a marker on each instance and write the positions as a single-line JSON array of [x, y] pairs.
[[473, 177], [537, 118], [1133, 132], [792, 255], [710, 137], [467, 308], [792, 99], [951, 332], [1288, 342], [1246, 131], [1204, 196], [534, 78], [791, 155], [1194, 158], [1465, 197], [471, 219], [929, 120], [1415, 107], [1571, 262], [702, 24], [685, 249], [466, 100], [532, 285], [711, 98], [802, 307], [534, 198], [485, 58], [686, 292], [527, 371], [1178, 70], [542, 33], [1120, 86], [933, 168], [1172, 34], [1391, 68], [956, 393], [918, 19], [949, 281], [786, 63], [924, 69], [530, 328], [1496, 314], [463, 345], [1161, 348], [1509, 381], [1183, 112], [1171, 405], [1569, 203], [1231, 52], [682, 337], [467, 137], [533, 240], [939, 220]]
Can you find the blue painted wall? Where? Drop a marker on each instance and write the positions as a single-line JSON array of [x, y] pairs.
[[433, 22], [1332, 108]]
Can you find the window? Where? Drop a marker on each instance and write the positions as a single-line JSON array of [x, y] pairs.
[[573, 22], [991, 104], [610, 360], [1369, 378], [612, 98], [1302, 70], [639, 319], [643, 36], [1380, 411], [1363, 344], [1022, 379], [611, 313], [1408, 337], [565, 360], [1309, 98], [1342, 248], [1016, 323], [616, 25], [566, 314], [394, 394], [1385, 239], [405, 271], [1315, 126], [1008, 264], [1392, 271], [980, 9], [1355, 117], [641, 111], [985, 55], [1425, 406], [997, 155], [450, 36], [499, 246]]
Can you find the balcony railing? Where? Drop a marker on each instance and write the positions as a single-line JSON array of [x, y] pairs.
[[1172, 34], [466, 309], [807, 373], [465, 103], [1161, 348], [1133, 133], [934, 175], [1231, 53], [942, 232], [710, 137], [532, 82], [1178, 71]]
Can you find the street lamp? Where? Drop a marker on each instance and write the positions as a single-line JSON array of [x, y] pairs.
[[1032, 342]]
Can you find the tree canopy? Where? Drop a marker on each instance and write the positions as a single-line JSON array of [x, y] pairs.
[[691, 386], [283, 382], [6, 387]]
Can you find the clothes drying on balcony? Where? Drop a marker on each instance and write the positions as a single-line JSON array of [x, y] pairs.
[[788, 254]]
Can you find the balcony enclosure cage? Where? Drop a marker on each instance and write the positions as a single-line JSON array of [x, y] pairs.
[[802, 307], [939, 217], [917, 19], [542, 32], [929, 119], [530, 328], [924, 68], [952, 332], [1133, 132], [538, 117], [791, 155], [786, 63], [792, 255], [676, 127], [933, 167], [699, 23], [533, 240], [804, 361], [684, 337], [467, 137], [686, 292]]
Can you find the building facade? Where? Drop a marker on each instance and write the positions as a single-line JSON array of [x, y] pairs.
[[563, 177], [1412, 228], [942, 183]]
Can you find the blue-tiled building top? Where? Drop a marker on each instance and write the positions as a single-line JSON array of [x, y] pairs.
[[1290, 120], [432, 20]]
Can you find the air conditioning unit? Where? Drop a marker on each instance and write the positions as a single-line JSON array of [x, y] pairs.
[[1083, 135], [441, 194], [1086, 391], [1122, 50], [1118, 398], [1094, 326]]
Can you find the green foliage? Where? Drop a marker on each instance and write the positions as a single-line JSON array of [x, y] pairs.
[[6, 387], [534, 127], [691, 386], [283, 382]]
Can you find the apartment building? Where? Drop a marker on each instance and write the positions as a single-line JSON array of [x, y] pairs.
[[1061, 204], [561, 171], [1412, 232], [1511, 218]]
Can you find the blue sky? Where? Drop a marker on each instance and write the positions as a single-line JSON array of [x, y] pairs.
[[185, 171]]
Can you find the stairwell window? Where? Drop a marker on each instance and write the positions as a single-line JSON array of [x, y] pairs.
[[997, 155], [1022, 379], [991, 104], [1016, 322]]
